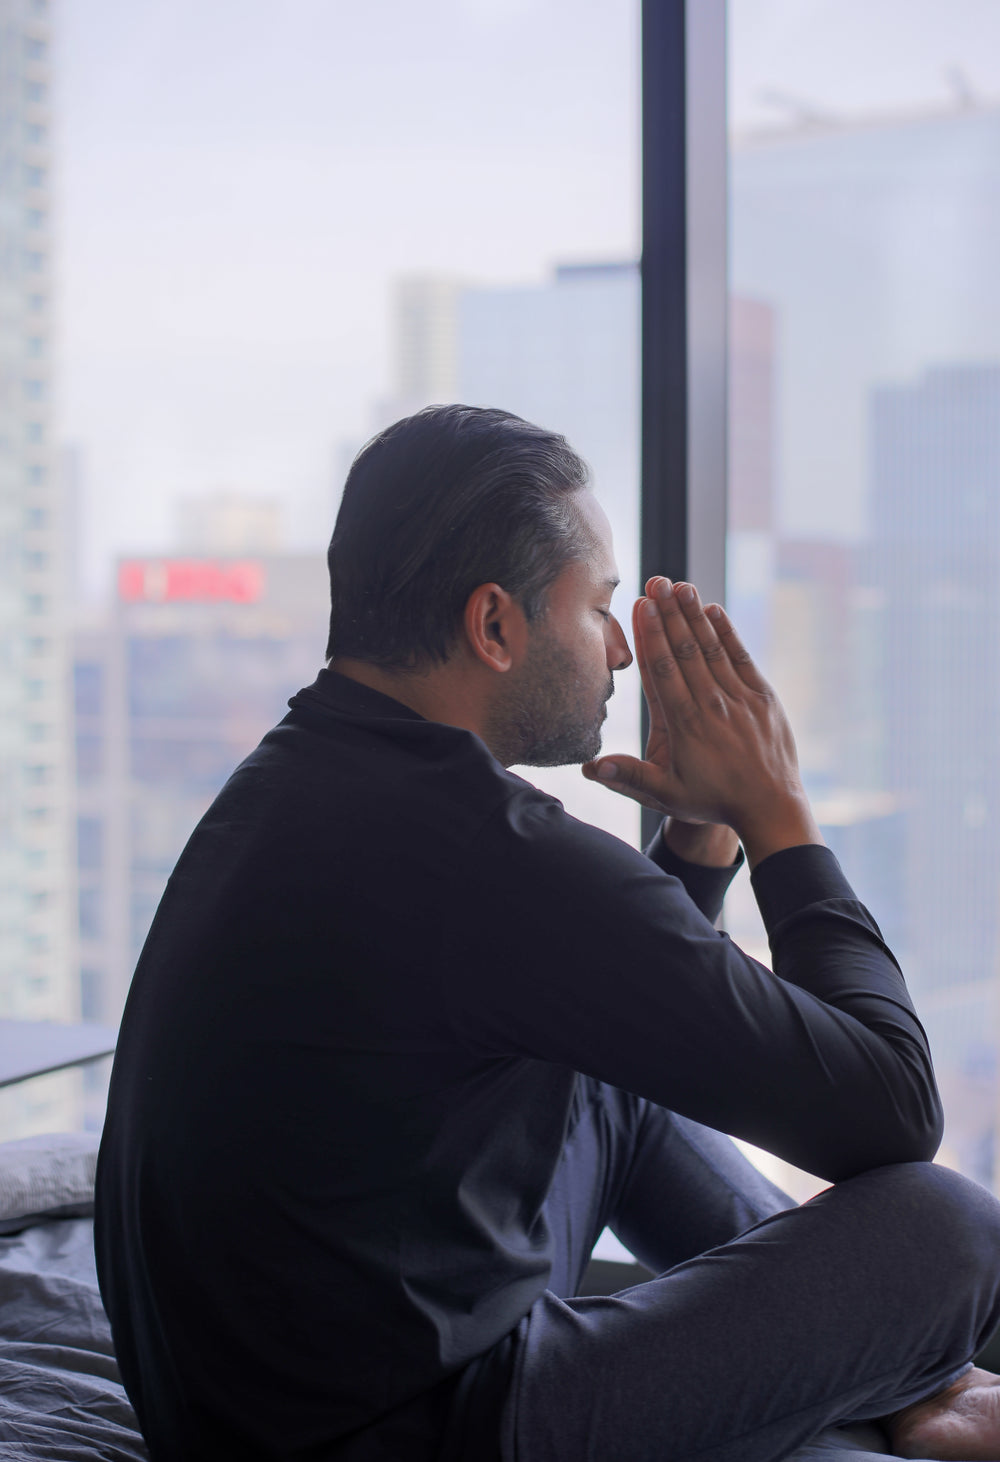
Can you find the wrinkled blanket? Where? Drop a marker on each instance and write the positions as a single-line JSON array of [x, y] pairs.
[[61, 1399]]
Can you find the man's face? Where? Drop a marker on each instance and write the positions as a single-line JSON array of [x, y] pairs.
[[554, 705]]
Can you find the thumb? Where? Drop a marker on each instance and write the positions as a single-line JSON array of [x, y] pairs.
[[630, 777]]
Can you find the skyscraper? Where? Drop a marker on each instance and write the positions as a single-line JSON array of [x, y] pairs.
[[36, 893], [173, 688], [936, 553], [874, 241]]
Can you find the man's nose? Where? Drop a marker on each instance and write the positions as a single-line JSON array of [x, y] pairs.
[[619, 654]]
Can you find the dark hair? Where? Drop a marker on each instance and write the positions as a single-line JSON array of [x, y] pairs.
[[434, 506]]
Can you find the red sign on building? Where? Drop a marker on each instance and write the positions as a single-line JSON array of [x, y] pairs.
[[190, 580]]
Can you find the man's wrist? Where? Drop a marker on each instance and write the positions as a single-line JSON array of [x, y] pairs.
[[789, 825], [709, 844]]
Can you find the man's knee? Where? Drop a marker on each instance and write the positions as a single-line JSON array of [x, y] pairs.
[[948, 1219]]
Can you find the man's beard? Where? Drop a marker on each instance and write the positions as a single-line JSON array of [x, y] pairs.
[[549, 717]]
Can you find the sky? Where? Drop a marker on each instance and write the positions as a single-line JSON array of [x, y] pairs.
[[240, 182]]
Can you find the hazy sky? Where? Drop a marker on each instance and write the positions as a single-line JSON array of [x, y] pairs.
[[241, 180]]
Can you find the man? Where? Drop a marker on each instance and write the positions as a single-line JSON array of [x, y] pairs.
[[405, 1036]]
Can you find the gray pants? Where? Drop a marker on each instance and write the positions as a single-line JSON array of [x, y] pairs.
[[766, 1325]]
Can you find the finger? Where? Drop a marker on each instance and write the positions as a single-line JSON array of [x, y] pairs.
[[736, 652], [707, 639], [665, 679], [630, 777], [684, 647], [657, 718]]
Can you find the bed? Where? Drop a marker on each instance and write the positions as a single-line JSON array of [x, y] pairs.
[[61, 1399]]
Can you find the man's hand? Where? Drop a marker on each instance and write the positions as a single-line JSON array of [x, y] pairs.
[[720, 748]]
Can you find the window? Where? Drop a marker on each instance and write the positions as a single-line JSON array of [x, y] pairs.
[[91, 923], [88, 688], [89, 843], [864, 540]]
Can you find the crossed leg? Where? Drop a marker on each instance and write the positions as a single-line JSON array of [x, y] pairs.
[[765, 1324]]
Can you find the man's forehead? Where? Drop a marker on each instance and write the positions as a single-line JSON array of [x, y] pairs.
[[601, 560]]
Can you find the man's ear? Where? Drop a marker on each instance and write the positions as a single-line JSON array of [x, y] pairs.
[[495, 627]]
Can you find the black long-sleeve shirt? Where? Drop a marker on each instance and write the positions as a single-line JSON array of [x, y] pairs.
[[349, 1052]]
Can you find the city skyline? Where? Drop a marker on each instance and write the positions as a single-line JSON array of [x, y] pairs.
[[229, 232]]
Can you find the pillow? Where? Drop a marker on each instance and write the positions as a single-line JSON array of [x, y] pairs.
[[46, 1177]]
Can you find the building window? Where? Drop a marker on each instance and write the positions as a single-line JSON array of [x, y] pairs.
[[36, 517], [91, 924], [88, 688], [89, 843], [90, 994]]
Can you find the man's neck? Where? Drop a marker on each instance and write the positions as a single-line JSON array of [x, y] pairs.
[[437, 694]]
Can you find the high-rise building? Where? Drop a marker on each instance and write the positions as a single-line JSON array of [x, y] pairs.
[[874, 242], [37, 965], [935, 552], [195, 662]]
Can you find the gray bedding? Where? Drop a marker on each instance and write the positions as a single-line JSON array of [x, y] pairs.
[[60, 1396]]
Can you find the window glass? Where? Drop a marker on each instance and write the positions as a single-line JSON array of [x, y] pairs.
[[864, 541], [344, 220]]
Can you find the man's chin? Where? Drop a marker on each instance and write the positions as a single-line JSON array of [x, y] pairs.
[[564, 754]]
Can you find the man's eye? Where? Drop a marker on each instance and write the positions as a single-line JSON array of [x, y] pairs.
[[604, 613]]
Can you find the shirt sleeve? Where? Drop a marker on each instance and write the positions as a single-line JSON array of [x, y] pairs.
[[704, 886], [569, 946]]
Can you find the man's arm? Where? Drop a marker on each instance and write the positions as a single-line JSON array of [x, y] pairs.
[[610, 969]]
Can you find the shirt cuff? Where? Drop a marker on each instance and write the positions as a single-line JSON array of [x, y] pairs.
[[788, 881], [705, 886]]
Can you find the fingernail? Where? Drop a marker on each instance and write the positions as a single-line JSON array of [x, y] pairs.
[[607, 771], [685, 593], [664, 588], [714, 611], [650, 609]]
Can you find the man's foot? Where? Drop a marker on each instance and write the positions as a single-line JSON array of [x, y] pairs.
[[961, 1422]]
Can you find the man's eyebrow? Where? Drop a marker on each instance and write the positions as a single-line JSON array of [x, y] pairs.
[[611, 584]]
